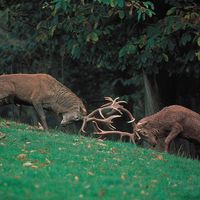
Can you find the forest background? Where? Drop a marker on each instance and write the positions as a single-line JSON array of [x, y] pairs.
[[145, 52]]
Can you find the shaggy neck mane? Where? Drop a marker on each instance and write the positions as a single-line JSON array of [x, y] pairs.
[[67, 100], [153, 123]]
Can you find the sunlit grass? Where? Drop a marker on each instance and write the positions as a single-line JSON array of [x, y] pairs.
[[52, 165]]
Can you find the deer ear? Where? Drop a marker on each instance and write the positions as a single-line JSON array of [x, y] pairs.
[[83, 110]]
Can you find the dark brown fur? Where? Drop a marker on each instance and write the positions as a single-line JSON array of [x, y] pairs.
[[168, 123], [41, 91]]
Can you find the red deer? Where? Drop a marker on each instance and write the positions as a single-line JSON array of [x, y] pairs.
[[43, 92], [170, 122]]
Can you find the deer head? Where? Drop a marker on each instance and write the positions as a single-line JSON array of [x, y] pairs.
[[146, 132], [74, 115]]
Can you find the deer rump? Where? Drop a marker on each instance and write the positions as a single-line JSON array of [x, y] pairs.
[[43, 92], [170, 122]]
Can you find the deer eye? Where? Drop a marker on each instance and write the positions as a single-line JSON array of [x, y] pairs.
[[76, 118], [144, 133]]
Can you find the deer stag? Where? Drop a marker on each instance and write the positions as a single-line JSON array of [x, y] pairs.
[[42, 91], [113, 106], [170, 122]]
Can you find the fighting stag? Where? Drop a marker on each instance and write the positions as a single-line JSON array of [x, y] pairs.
[[112, 106], [170, 122], [42, 91]]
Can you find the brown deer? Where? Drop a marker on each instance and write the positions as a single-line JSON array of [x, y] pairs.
[[170, 122], [43, 92]]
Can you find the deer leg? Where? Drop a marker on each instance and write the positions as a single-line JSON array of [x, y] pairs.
[[39, 109], [176, 129]]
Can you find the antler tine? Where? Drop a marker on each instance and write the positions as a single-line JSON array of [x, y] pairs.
[[110, 106], [108, 99], [110, 103], [97, 127], [121, 133], [114, 101], [83, 125], [129, 114], [131, 121], [117, 109], [113, 105], [101, 114], [109, 121], [137, 134], [106, 104], [120, 102]]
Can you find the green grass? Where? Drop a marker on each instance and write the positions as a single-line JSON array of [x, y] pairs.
[[63, 166]]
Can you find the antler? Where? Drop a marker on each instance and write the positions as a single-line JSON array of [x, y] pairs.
[[113, 105], [121, 133]]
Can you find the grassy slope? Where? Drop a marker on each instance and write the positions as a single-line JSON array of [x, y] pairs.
[[73, 167]]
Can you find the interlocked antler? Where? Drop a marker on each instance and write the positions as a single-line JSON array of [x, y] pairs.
[[121, 133], [108, 106], [114, 106]]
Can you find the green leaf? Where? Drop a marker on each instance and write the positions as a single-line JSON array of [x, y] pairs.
[[198, 55], [127, 50], [166, 58], [150, 13], [185, 39], [148, 4], [92, 37], [198, 41], [151, 43], [121, 14], [171, 11], [52, 30], [120, 3], [42, 36], [75, 51], [113, 3], [139, 14], [151, 5]]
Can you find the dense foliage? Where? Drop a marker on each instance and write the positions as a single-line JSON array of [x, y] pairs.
[[101, 47]]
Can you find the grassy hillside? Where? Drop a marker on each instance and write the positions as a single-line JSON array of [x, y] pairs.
[[40, 165]]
